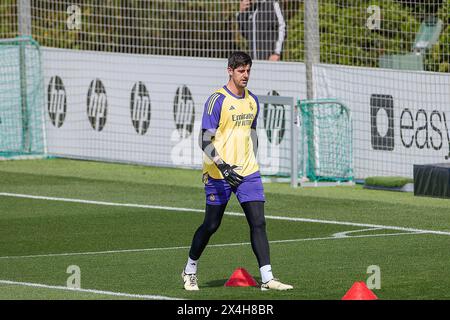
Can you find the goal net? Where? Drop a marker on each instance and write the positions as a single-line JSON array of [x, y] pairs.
[[21, 99], [327, 131]]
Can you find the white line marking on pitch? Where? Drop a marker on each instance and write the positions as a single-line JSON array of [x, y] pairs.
[[334, 237], [346, 233], [108, 293], [343, 223]]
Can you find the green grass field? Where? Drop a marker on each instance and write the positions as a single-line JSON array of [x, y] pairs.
[[129, 228]]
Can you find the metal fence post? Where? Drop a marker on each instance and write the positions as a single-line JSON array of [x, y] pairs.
[[294, 146], [24, 24], [312, 43]]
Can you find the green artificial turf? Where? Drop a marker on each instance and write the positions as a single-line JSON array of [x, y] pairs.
[[142, 250]]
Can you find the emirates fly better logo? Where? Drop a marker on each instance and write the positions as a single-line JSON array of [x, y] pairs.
[[97, 105]]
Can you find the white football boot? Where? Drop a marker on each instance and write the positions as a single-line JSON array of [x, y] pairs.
[[190, 281], [275, 284]]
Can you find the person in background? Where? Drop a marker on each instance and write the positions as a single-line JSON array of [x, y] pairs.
[[262, 23]]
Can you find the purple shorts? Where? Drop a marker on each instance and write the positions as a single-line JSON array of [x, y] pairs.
[[218, 191]]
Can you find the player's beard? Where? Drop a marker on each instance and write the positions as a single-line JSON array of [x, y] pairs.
[[241, 84]]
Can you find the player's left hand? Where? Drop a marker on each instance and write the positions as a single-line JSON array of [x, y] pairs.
[[231, 176]]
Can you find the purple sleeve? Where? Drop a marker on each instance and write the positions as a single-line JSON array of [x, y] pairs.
[[212, 110], [255, 121]]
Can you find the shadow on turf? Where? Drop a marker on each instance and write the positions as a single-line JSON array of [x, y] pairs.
[[215, 283], [221, 282]]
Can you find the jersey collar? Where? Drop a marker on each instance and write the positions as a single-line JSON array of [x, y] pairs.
[[232, 94]]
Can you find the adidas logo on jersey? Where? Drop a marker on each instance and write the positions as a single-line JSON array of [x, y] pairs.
[[232, 108]]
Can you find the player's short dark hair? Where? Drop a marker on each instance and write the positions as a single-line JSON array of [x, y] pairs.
[[238, 59]]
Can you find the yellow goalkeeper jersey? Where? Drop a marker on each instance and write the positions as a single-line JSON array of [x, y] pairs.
[[231, 118]]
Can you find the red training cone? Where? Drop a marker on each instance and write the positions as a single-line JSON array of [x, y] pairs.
[[359, 291], [241, 278]]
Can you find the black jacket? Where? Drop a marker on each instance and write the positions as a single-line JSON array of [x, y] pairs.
[[264, 27]]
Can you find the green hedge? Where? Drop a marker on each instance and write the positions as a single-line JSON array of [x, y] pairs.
[[388, 182], [438, 58], [8, 19]]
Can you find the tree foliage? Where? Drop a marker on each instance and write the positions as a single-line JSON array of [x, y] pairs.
[[205, 28]]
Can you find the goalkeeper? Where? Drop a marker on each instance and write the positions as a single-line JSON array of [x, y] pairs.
[[228, 139]]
